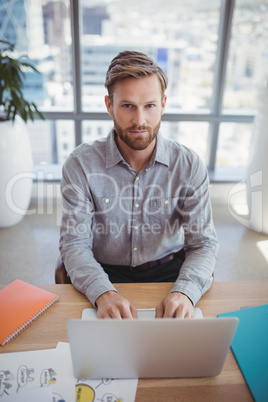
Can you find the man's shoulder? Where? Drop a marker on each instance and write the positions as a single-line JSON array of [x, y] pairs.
[[90, 147], [87, 156], [177, 150], [89, 151]]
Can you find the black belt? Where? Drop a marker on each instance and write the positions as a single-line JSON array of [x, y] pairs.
[[151, 264]]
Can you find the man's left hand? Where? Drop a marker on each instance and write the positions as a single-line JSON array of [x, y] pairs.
[[175, 305]]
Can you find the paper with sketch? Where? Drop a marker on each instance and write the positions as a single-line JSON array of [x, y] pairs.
[[33, 395], [23, 371], [52, 368], [104, 390], [143, 313]]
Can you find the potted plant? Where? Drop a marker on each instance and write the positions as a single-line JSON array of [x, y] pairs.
[[15, 147]]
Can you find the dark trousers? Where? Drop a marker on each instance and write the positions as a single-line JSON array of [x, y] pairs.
[[167, 272]]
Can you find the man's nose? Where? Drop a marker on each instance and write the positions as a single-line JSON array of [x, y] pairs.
[[139, 117]]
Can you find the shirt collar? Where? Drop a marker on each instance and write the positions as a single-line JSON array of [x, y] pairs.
[[162, 154], [113, 156]]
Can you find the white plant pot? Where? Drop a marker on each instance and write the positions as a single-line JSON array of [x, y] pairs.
[[15, 172], [257, 175]]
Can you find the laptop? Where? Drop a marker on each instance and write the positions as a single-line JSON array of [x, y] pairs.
[[150, 348]]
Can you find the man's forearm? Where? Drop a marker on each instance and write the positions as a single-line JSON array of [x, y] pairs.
[[86, 274], [196, 274]]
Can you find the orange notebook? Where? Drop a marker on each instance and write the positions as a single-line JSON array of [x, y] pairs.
[[20, 305]]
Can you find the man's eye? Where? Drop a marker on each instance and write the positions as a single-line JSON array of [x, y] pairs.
[[150, 105], [127, 106]]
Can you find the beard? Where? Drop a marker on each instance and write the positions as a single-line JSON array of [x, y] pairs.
[[137, 142]]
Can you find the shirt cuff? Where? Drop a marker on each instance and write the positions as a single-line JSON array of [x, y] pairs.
[[93, 291], [190, 289]]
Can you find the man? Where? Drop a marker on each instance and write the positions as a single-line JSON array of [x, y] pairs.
[[132, 201]]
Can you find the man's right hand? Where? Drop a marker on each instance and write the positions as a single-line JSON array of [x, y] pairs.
[[111, 305]]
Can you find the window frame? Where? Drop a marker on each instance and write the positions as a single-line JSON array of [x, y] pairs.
[[215, 116]]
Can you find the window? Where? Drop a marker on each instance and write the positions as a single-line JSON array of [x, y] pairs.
[[215, 54], [95, 129], [181, 37], [248, 55], [193, 135], [233, 145]]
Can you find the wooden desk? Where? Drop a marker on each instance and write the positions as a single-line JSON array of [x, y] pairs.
[[50, 328]]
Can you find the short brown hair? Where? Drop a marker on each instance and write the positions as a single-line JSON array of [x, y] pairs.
[[129, 64]]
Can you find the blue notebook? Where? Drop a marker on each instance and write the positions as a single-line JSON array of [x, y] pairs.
[[250, 348]]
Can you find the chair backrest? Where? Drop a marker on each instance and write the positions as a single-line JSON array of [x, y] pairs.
[[61, 276]]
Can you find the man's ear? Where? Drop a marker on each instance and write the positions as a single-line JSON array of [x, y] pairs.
[[164, 101], [108, 104]]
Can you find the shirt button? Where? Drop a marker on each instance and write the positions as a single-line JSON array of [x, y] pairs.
[[166, 202], [136, 227], [107, 200], [137, 205], [137, 178], [135, 249]]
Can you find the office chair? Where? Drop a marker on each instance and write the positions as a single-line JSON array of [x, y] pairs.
[[61, 276]]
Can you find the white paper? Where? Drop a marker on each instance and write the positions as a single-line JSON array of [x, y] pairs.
[[106, 390], [34, 395], [143, 313], [102, 390], [23, 371], [52, 369]]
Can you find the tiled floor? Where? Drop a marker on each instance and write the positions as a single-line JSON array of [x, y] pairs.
[[29, 250]]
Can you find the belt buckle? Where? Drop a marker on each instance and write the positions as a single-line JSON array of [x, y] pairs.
[[139, 268], [132, 269]]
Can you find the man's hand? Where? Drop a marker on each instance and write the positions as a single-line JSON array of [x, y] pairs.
[[112, 305], [175, 305]]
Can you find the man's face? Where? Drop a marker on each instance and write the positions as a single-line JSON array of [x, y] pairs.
[[136, 109]]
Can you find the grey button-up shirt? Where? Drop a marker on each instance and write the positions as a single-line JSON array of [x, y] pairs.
[[114, 215]]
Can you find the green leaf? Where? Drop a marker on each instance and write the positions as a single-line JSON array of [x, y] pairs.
[[12, 73], [28, 65], [40, 114]]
